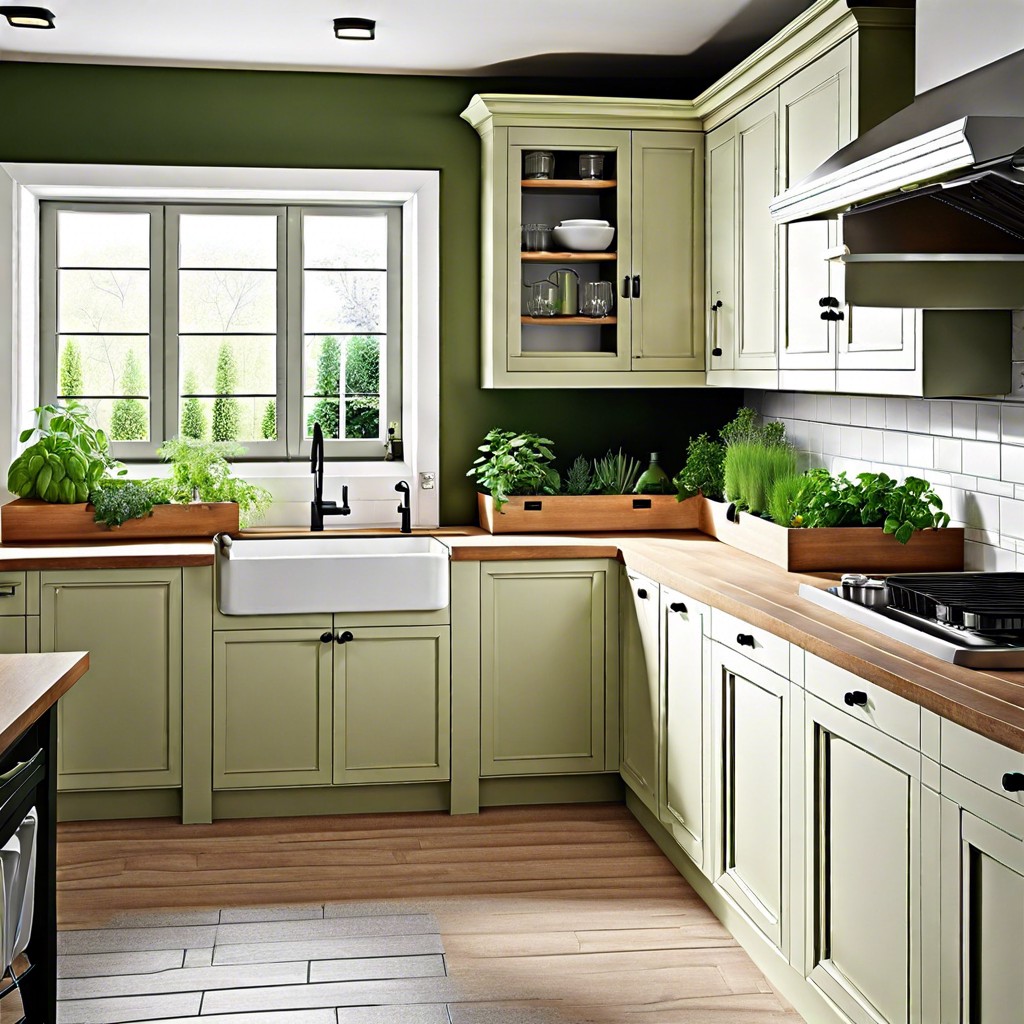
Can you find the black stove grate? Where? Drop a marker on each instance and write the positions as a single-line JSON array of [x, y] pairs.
[[984, 602]]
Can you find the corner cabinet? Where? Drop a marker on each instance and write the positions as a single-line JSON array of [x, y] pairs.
[[651, 192], [12, 613]]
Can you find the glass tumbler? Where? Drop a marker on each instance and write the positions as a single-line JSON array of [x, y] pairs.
[[597, 298], [537, 237], [538, 163], [591, 165], [542, 299]]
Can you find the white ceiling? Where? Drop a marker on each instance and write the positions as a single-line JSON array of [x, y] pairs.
[[430, 36]]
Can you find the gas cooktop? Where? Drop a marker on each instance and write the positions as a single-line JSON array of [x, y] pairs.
[[975, 619]]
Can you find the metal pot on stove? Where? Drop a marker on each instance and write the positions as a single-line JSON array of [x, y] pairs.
[[863, 590]]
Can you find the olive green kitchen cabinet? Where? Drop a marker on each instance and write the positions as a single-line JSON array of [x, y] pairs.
[[742, 178], [12, 613], [548, 671], [684, 807], [750, 716], [863, 836], [982, 880], [651, 192], [121, 728], [392, 705], [330, 704], [272, 707], [640, 714]]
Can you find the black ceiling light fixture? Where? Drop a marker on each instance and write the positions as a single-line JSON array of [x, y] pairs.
[[28, 17], [355, 28]]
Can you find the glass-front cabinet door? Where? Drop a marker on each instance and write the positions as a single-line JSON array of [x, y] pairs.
[[569, 284]]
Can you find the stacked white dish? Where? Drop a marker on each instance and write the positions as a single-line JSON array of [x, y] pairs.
[[17, 888], [583, 235]]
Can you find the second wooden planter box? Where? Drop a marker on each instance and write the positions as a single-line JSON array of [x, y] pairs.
[[835, 549], [587, 513], [30, 521]]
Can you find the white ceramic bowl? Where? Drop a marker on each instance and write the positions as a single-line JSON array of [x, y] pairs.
[[583, 237], [583, 222]]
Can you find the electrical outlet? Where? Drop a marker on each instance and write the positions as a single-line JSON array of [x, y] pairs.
[[427, 481]]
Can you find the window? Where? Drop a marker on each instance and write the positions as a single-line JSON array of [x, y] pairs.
[[234, 322]]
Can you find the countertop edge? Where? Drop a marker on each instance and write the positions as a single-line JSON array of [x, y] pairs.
[[34, 682]]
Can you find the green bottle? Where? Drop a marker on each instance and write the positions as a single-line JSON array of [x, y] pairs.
[[654, 480]]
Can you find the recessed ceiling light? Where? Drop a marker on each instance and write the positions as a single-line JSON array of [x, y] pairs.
[[28, 17], [355, 28]]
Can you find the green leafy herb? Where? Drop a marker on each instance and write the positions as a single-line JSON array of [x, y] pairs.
[[704, 471], [580, 478], [116, 502], [201, 467], [615, 473], [784, 499], [751, 469], [515, 463]]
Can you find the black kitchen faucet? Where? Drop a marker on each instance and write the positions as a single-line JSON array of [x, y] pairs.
[[318, 508]]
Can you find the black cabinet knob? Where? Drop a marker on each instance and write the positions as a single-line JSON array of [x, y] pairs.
[[326, 638], [716, 351], [642, 594], [636, 286], [346, 637], [856, 699], [831, 314], [625, 287], [828, 301], [716, 306], [678, 606], [1013, 782], [745, 640]]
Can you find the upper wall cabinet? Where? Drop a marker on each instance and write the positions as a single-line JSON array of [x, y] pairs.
[[775, 302], [557, 314]]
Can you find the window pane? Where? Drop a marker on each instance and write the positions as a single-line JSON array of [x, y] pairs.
[[102, 365], [98, 239], [228, 419], [344, 301], [360, 411], [124, 419], [99, 301], [228, 240], [225, 301], [348, 242]]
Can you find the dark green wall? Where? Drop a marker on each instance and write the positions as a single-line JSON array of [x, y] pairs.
[[103, 114]]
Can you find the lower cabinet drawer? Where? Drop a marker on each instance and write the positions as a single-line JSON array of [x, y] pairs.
[[751, 641], [12, 593], [985, 762], [879, 707]]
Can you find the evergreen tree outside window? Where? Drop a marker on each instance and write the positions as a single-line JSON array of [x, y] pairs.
[[128, 422]]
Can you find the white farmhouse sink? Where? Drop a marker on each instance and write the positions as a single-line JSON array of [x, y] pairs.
[[333, 574]]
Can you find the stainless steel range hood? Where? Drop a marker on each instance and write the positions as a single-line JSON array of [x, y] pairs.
[[932, 199]]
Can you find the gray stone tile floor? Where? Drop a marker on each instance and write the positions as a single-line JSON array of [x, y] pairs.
[[340, 964]]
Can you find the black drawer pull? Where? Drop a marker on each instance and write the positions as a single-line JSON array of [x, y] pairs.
[[8, 589], [678, 606], [642, 594], [856, 699], [346, 637], [1013, 782], [326, 638], [745, 640], [19, 778], [641, 503], [533, 506], [625, 287]]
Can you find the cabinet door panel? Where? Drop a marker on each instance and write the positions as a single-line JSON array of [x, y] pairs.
[[982, 921], [392, 702], [815, 111], [668, 321], [722, 236], [879, 339], [686, 736], [271, 708], [751, 728], [757, 143], [865, 835], [641, 705], [120, 727], [12, 635], [543, 675]]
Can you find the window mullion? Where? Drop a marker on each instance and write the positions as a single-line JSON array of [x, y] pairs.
[[290, 417]]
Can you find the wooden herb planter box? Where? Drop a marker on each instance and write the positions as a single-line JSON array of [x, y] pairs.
[[835, 549], [588, 513], [30, 521]]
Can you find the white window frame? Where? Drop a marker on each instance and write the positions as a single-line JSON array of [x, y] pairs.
[[418, 192]]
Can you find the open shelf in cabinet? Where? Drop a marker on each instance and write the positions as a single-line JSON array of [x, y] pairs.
[[568, 184], [570, 257], [576, 321]]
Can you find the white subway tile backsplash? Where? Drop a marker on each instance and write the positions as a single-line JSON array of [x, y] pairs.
[[876, 412], [840, 407], [824, 408], [1013, 424], [895, 447], [965, 420], [918, 417], [850, 442], [1011, 518], [1013, 463], [988, 421], [941, 418], [1000, 488], [981, 458], [896, 413], [980, 511], [805, 407], [858, 411], [948, 454], [920, 450], [830, 444], [872, 444]]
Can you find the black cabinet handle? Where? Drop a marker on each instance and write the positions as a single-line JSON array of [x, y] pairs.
[[625, 287], [678, 606], [346, 637], [642, 594], [745, 640], [732, 513], [831, 314], [636, 286], [716, 351], [828, 300], [716, 306], [1013, 782], [326, 638], [856, 699]]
